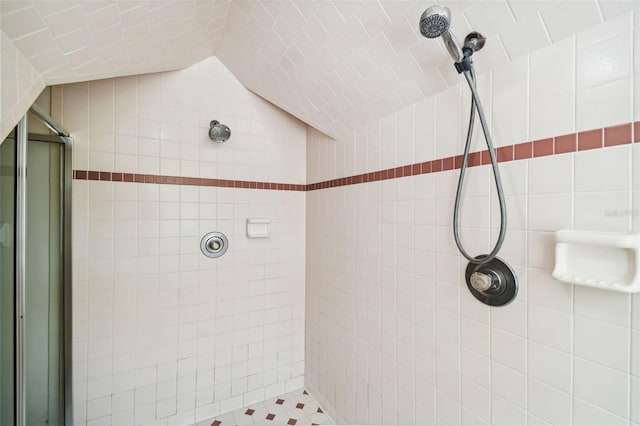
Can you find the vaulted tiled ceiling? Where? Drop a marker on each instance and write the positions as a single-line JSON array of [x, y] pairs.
[[74, 40], [335, 64]]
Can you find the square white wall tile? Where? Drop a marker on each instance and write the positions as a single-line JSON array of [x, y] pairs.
[[548, 403], [549, 366], [603, 170], [601, 386], [585, 413], [603, 343], [604, 105]]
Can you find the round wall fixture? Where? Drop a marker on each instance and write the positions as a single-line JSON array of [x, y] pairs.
[[214, 244], [494, 283], [218, 132]]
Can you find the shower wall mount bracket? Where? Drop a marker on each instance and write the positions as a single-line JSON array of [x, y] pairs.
[[493, 283]]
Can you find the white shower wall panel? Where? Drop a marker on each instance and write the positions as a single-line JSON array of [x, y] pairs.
[[162, 334], [393, 336]]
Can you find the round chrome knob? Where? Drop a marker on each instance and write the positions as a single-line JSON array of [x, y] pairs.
[[480, 281], [214, 244], [493, 283]]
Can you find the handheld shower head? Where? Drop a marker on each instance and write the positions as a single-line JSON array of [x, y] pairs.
[[435, 22]]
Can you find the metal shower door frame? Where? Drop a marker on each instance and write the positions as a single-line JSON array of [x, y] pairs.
[[62, 137]]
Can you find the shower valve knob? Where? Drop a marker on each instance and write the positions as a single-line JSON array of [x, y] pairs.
[[480, 281]]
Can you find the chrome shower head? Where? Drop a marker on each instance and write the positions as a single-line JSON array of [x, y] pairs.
[[218, 132], [435, 22]]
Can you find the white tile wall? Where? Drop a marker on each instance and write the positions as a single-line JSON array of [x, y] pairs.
[[158, 124], [162, 334], [559, 354]]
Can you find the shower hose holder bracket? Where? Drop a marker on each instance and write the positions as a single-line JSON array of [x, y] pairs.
[[466, 63]]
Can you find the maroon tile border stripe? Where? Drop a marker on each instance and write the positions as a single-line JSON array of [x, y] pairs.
[[181, 180], [590, 139]]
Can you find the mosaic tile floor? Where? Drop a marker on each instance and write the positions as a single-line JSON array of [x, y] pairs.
[[294, 408]]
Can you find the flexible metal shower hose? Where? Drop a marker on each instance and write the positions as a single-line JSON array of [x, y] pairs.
[[477, 105]]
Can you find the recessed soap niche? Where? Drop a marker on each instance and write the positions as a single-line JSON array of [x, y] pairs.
[[608, 261], [258, 227]]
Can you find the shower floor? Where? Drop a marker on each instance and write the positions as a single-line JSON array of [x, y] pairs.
[[293, 408]]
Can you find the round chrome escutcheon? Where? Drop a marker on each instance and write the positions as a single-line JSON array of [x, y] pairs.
[[214, 244]]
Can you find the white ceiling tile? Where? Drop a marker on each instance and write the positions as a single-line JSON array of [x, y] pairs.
[[294, 18], [305, 44], [138, 33], [21, 23], [50, 7], [66, 20], [373, 17], [335, 64], [82, 56], [339, 48], [48, 60], [612, 8], [307, 8], [489, 17], [401, 34], [284, 31], [406, 67], [525, 9], [317, 32], [355, 34], [330, 18], [395, 8], [348, 9], [611, 28], [134, 16], [35, 43], [565, 18], [296, 57], [93, 67], [379, 48], [273, 8], [410, 93], [112, 51], [431, 83], [9, 6], [108, 36], [103, 18], [74, 40], [525, 37], [96, 5], [362, 62]]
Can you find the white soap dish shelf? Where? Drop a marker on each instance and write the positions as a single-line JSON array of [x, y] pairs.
[[603, 260], [258, 227]]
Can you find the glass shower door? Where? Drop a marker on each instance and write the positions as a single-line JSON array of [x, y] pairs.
[[35, 298], [44, 314]]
